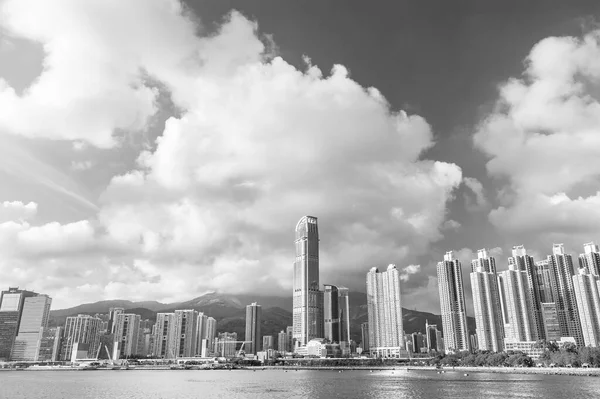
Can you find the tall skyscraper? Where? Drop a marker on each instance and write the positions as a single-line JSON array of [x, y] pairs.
[[452, 303], [81, 330], [526, 263], [267, 343], [384, 307], [34, 319], [486, 303], [165, 336], [185, 331], [586, 286], [210, 333], [307, 298], [112, 315], [561, 265], [516, 304], [590, 259], [364, 332], [344, 302], [126, 330], [290, 333], [11, 307], [431, 333], [282, 342], [331, 311], [253, 320], [201, 334]]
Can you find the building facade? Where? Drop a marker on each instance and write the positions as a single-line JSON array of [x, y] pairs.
[[307, 297], [516, 305], [253, 322], [561, 265], [384, 307], [331, 312], [126, 331], [11, 307], [81, 329], [486, 303], [587, 296], [452, 303], [165, 336], [34, 320], [186, 326], [590, 259]]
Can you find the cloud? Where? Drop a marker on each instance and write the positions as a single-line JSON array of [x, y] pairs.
[[479, 202], [257, 143], [17, 210], [408, 271], [542, 140], [451, 225], [81, 165]]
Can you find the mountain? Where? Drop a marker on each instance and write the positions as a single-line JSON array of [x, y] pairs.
[[230, 312]]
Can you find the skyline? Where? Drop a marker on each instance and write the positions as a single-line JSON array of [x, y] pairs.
[[186, 178]]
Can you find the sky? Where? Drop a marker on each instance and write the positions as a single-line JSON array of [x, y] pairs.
[[159, 150]]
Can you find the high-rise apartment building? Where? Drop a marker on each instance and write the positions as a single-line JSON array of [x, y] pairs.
[[282, 342], [307, 298], [11, 307], [112, 315], [586, 286], [431, 333], [290, 333], [452, 303], [331, 312], [210, 333], [364, 333], [226, 343], [550, 319], [201, 340], [517, 305], [34, 319], [561, 266], [165, 336], [126, 330], [267, 343], [384, 307], [590, 259], [486, 303], [253, 321], [50, 345], [186, 324], [526, 263], [344, 305], [82, 330]]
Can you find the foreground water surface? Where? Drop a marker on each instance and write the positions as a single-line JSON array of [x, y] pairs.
[[139, 384]]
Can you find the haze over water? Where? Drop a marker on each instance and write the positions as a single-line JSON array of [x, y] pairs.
[[291, 384]]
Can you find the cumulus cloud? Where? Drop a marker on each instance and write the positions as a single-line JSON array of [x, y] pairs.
[[257, 144], [17, 210], [543, 140], [408, 271], [476, 199]]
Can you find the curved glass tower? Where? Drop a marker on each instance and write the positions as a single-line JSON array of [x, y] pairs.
[[308, 299]]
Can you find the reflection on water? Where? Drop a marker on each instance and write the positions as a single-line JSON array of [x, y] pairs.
[[291, 384]]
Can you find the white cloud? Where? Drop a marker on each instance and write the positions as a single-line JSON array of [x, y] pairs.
[[408, 271], [17, 210], [451, 225], [479, 202], [258, 144], [543, 139], [81, 165]]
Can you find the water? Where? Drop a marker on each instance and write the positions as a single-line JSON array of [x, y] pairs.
[[221, 384]]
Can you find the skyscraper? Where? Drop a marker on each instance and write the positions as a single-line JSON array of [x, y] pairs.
[[344, 302], [486, 303], [561, 266], [307, 298], [201, 340], [253, 320], [34, 319], [11, 307], [290, 333], [331, 311], [282, 342], [590, 259], [586, 286], [165, 336], [210, 333], [526, 263], [516, 304], [81, 329], [112, 315], [126, 330], [452, 303], [185, 332], [267, 343], [364, 332], [226, 344], [431, 333], [384, 307]]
